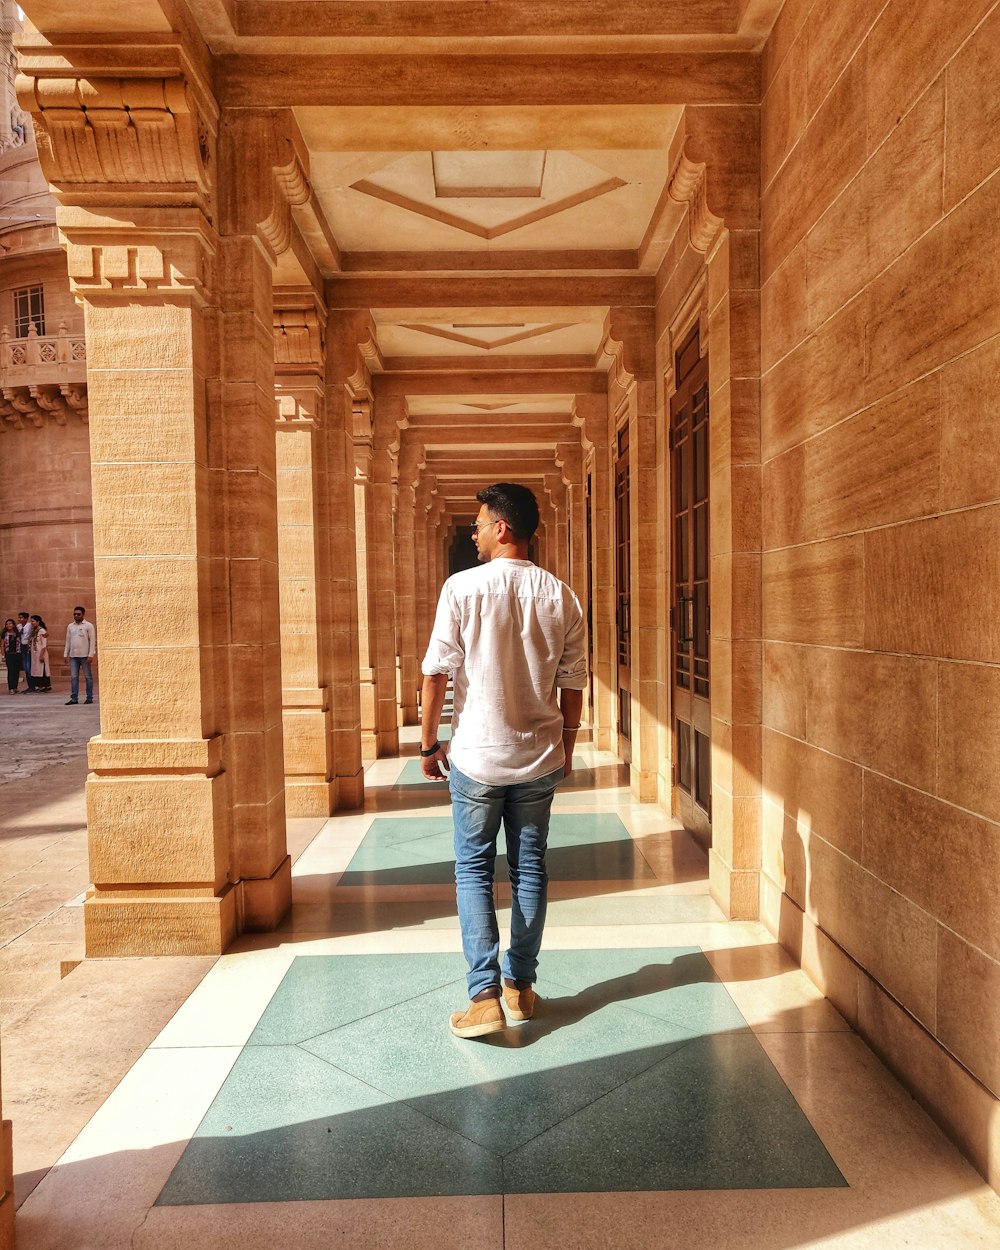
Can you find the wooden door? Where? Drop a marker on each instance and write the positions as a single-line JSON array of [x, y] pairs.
[[690, 613]]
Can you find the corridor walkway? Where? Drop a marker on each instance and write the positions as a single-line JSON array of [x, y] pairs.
[[682, 1085]]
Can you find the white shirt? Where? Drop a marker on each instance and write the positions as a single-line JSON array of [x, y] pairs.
[[80, 640], [510, 634]]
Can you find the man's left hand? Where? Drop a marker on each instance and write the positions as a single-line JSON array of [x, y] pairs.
[[430, 766]]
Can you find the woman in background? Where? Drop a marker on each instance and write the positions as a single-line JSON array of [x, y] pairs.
[[40, 656], [10, 649]]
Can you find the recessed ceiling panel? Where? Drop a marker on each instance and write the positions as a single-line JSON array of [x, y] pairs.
[[385, 202], [481, 405], [484, 332], [488, 175]]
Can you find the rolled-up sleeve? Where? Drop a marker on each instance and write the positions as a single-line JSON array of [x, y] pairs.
[[445, 651], [571, 672]]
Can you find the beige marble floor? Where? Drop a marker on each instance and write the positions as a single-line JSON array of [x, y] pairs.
[[183, 1024]]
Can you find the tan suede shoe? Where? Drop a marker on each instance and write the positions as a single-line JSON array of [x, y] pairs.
[[480, 1019], [520, 1004]]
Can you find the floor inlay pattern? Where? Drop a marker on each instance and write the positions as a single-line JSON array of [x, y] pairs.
[[638, 1073]]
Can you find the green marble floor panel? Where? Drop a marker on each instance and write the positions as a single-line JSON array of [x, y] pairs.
[[637, 1073], [288, 1127], [714, 1114], [418, 850]]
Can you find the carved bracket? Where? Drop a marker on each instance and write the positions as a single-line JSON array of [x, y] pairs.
[[38, 404], [102, 139], [688, 187]]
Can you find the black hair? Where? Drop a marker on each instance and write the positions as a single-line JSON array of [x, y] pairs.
[[41, 623], [515, 504], [80, 608]]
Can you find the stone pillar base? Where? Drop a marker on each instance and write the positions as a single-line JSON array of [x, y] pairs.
[[265, 901], [7, 1218], [124, 925], [7, 1201], [388, 742], [409, 714], [737, 891], [369, 744], [308, 796], [351, 791]]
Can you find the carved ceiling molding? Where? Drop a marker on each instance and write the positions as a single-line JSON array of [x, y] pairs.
[[105, 140], [688, 187]]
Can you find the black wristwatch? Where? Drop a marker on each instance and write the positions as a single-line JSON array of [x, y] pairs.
[[431, 750]]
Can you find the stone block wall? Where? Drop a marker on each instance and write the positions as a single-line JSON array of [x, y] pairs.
[[881, 528]]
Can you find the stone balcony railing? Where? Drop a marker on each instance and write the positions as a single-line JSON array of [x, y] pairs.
[[42, 376]]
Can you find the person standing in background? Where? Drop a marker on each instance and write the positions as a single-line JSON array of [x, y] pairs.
[[25, 629], [80, 649], [41, 674], [10, 648]]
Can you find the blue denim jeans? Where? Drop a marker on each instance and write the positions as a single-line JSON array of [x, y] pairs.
[[477, 811], [75, 664], [26, 665]]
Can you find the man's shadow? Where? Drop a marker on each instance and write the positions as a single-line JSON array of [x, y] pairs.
[[559, 1013]]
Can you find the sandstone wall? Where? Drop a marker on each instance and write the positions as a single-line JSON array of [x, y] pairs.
[[881, 529]]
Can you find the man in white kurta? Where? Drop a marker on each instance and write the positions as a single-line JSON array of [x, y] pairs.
[[511, 636]]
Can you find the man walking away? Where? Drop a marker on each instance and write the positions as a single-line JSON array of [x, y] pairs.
[[510, 635], [80, 648]]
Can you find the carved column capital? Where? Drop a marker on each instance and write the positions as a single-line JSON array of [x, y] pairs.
[[299, 324], [154, 254]]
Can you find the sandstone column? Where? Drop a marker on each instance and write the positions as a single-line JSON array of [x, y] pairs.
[[423, 575], [382, 569], [631, 350], [160, 836], [410, 646], [555, 489], [569, 457], [263, 164], [363, 525], [592, 413], [303, 554], [347, 388]]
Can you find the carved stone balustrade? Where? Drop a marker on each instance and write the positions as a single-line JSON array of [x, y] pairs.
[[42, 377], [43, 359]]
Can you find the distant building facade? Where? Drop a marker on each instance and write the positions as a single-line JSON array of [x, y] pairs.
[[46, 536]]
